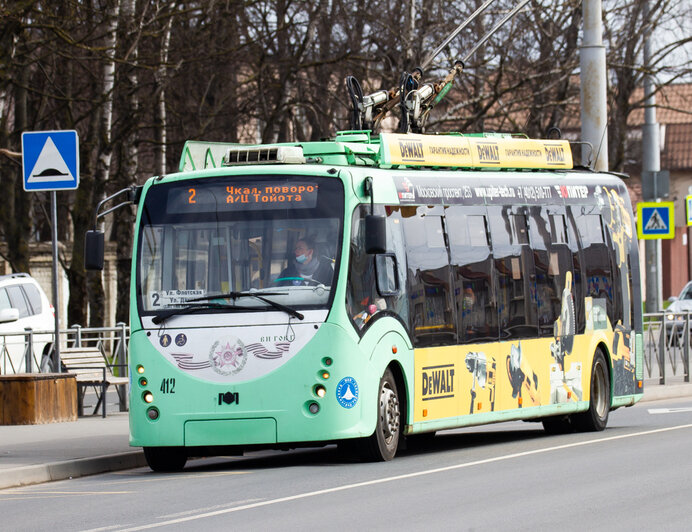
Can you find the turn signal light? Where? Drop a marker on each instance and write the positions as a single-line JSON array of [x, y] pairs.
[[153, 413]]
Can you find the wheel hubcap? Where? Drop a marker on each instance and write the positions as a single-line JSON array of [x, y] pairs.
[[389, 412], [599, 391]]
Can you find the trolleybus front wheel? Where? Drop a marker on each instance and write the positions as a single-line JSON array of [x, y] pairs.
[[165, 459], [383, 443], [596, 417]]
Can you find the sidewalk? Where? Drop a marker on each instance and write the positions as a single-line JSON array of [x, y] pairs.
[[31, 454]]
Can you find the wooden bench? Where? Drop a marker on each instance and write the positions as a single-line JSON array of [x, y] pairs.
[[91, 369]]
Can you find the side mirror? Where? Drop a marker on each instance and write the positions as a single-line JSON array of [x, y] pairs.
[[93, 250], [9, 314], [375, 234]]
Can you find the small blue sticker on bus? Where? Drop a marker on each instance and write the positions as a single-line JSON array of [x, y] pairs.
[[347, 392]]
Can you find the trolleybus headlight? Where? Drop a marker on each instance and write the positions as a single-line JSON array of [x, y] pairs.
[[148, 397], [314, 408], [140, 369], [153, 413], [320, 391]]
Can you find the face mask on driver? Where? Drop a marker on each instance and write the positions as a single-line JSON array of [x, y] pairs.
[[300, 259]]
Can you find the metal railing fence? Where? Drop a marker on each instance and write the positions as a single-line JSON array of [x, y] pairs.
[[30, 351], [667, 345]]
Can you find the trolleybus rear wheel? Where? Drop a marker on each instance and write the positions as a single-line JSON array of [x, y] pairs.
[[165, 459], [383, 443], [596, 417]]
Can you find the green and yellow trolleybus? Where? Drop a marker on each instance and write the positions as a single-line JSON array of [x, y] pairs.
[[367, 290]]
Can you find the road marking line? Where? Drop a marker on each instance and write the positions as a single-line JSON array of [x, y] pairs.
[[400, 477], [669, 410]]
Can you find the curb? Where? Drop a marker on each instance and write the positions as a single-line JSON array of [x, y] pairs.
[[36, 474], [656, 392]]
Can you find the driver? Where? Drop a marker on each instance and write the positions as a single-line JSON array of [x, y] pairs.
[[306, 265]]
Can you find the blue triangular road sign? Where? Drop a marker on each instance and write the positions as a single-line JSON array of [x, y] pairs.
[[50, 160]]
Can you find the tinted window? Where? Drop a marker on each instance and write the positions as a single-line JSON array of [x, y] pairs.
[[597, 264], [513, 263], [552, 260], [472, 268], [433, 320]]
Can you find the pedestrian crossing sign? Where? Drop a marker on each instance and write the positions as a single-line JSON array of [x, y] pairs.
[[655, 220], [50, 160]]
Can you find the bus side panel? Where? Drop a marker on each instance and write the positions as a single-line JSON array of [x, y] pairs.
[[507, 380]]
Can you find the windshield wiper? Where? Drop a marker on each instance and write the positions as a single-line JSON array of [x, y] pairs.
[[189, 309], [235, 295]]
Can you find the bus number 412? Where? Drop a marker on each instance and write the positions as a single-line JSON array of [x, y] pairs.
[[168, 385]]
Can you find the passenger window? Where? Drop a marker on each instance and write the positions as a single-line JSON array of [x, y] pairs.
[[34, 297], [4, 300], [552, 260], [18, 300], [472, 269], [375, 282], [433, 315], [597, 262], [513, 263]]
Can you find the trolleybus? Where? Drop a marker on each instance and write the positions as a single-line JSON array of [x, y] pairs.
[[469, 280]]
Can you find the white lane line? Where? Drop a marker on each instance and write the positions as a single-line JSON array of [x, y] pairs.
[[399, 477], [669, 410]]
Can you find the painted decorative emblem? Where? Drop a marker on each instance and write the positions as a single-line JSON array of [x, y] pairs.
[[228, 356], [347, 392]]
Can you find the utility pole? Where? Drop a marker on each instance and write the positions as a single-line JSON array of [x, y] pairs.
[[592, 63], [651, 166]]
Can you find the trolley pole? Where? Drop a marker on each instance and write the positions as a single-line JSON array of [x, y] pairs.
[[592, 63]]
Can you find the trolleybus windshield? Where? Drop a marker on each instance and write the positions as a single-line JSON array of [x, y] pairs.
[[277, 237]]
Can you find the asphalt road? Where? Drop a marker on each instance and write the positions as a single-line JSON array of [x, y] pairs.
[[637, 473]]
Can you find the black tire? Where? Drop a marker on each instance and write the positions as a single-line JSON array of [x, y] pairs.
[[165, 459], [382, 445], [48, 364], [557, 425], [596, 417]]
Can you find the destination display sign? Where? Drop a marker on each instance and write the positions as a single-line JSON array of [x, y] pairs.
[[473, 152], [234, 195]]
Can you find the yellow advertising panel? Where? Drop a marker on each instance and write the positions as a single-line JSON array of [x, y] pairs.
[[473, 152]]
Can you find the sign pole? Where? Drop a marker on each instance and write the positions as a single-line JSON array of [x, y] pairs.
[[56, 301]]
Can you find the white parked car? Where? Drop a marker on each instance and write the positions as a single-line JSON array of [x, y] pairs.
[[23, 305], [676, 311]]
